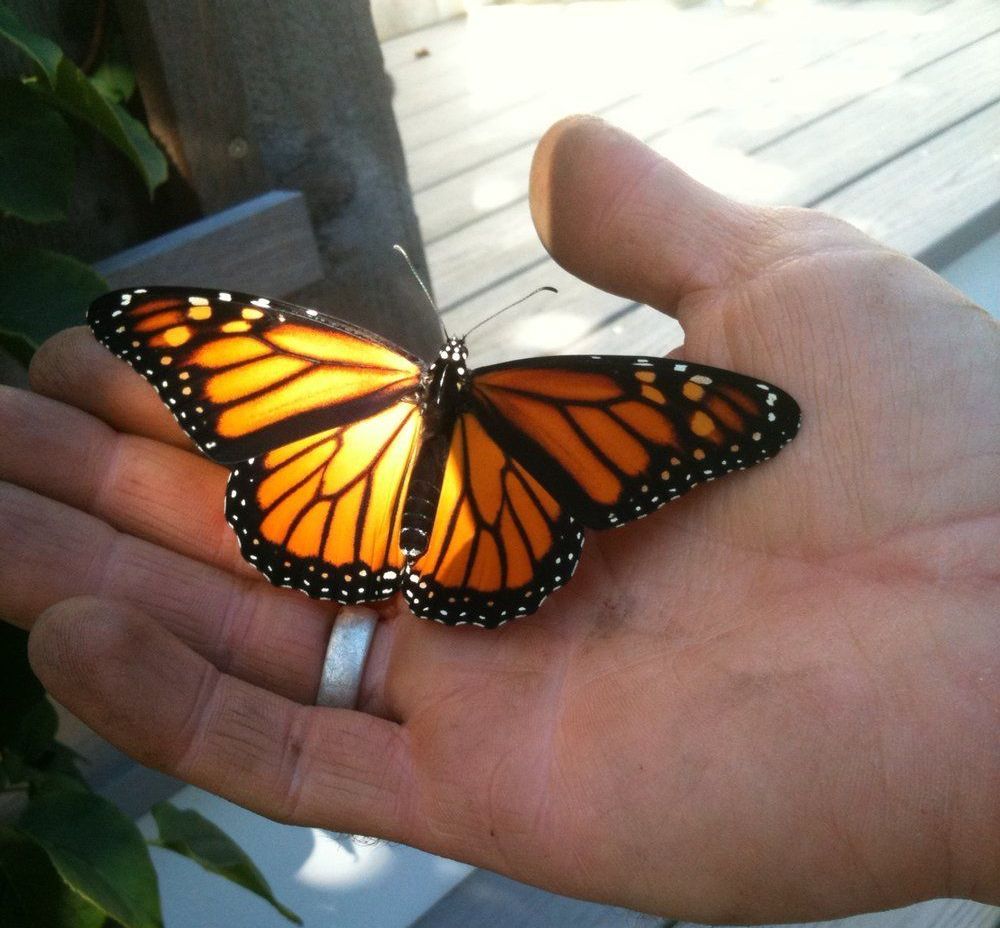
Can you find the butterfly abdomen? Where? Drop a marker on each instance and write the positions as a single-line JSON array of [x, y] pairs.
[[445, 390], [423, 494]]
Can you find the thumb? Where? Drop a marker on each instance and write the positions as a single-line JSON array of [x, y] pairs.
[[614, 213]]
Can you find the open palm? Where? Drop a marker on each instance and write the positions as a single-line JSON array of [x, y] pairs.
[[776, 698]]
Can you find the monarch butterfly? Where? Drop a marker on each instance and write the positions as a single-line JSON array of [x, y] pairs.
[[358, 471]]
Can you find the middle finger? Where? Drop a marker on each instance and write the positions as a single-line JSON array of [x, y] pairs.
[[137, 485], [50, 551]]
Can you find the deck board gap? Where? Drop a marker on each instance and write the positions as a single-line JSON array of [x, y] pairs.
[[900, 153], [500, 152], [819, 117]]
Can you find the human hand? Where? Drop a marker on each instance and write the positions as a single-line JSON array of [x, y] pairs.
[[776, 699]]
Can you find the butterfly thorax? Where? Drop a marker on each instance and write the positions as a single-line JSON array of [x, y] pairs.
[[443, 396]]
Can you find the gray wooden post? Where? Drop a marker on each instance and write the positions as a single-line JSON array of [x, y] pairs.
[[248, 95]]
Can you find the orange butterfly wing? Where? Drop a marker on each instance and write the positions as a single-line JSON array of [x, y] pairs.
[[243, 374], [614, 438], [500, 541], [322, 514]]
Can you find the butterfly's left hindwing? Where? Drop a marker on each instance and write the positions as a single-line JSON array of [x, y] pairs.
[[614, 438], [242, 374], [322, 514]]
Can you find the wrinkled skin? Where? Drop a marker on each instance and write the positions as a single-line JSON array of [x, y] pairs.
[[778, 698]]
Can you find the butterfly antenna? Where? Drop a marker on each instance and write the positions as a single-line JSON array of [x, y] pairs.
[[423, 286], [492, 316]]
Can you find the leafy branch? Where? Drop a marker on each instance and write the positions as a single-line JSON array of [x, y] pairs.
[[68, 857], [41, 291]]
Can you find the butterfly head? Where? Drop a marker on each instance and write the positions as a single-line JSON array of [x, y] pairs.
[[446, 379], [453, 350]]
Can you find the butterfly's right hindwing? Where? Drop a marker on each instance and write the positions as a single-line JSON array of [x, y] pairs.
[[500, 541]]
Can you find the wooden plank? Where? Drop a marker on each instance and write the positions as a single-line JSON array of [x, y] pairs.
[[580, 319], [460, 64], [640, 47], [466, 197], [399, 51], [954, 174], [806, 162], [744, 101], [642, 330], [712, 153], [265, 246], [938, 913], [423, 83], [195, 101], [394, 19], [485, 899], [587, 89]]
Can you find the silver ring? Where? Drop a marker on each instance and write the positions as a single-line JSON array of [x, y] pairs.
[[346, 653]]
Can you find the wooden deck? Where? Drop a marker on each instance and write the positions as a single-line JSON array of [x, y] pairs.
[[883, 112]]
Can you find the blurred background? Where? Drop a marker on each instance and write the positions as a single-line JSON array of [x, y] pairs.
[[883, 113]]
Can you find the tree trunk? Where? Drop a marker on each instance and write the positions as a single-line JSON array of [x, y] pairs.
[[248, 95]]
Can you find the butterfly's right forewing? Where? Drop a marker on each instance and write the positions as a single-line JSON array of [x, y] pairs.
[[614, 438]]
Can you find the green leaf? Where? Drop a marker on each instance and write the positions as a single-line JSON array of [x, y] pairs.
[[75, 94], [70, 89], [28, 722], [28, 749], [114, 77], [32, 894], [37, 730], [99, 853], [20, 689], [36, 150], [17, 346], [47, 782], [45, 52], [114, 80], [192, 835], [42, 292], [31, 737]]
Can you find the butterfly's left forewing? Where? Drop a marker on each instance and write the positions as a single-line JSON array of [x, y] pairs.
[[500, 541], [243, 374]]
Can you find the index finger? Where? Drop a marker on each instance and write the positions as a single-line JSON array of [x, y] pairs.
[[76, 369]]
